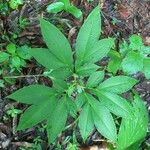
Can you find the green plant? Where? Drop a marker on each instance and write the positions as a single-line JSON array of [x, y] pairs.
[[13, 112], [15, 3], [66, 6], [14, 57], [80, 86], [131, 58]]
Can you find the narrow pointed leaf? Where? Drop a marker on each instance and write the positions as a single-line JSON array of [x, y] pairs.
[[56, 42], [36, 113], [86, 124], [117, 84], [44, 57], [88, 35], [99, 50], [103, 119], [32, 94], [116, 104], [56, 122], [95, 78]]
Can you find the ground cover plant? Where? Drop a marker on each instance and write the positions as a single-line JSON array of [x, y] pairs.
[[66, 6], [82, 90]]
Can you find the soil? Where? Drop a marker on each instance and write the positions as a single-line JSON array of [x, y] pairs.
[[120, 19]]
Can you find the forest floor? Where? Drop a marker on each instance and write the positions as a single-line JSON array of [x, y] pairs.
[[120, 19]]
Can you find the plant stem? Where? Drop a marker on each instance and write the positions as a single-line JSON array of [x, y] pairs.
[[23, 76]]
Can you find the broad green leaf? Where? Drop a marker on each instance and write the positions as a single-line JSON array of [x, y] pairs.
[[87, 69], [56, 121], [146, 69], [116, 104], [32, 94], [11, 48], [95, 78], [74, 11], [46, 58], [55, 7], [86, 124], [115, 61], [117, 84], [103, 119], [133, 130], [99, 50], [15, 3], [36, 113], [88, 36], [132, 63], [57, 43], [3, 57], [16, 62], [135, 42]]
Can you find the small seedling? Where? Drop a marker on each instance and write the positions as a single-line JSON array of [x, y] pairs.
[[66, 6], [131, 58], [13, 112]]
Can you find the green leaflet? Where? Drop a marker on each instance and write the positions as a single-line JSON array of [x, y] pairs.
[[115, 61], [88, 36], [36, 113], [102, 118], [57, 43], [44, 57], [56, 122], [75, 11], [132, 63], [32, 94], [86, 124], [118, 84], [95, 78], [99, 50], [116, 104], [3, 57], [134, 129], [55, 7], [146, 69], [87, 69], [135, 42]]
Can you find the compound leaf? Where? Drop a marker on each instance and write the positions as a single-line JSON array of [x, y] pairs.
[[32, 94], [117, 84]]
